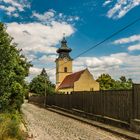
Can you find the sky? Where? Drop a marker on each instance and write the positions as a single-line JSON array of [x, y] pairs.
[[37, 26]]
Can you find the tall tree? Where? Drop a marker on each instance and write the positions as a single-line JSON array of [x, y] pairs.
[[41, 83], [123, 79], [13, 70], [106, 82]]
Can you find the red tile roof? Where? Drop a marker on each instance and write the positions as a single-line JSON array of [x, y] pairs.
[[69, 80]]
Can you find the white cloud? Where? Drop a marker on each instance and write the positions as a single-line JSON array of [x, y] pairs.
[[8, 9], [121, 8], [47, 58], [134, 47], [102, 62], [36, 37], [52, 15], [20, 5], [35, 70], [73, 18], [127, 40], [115, 64], [44, 17], [107, 2], [132, 39], [13, 7]]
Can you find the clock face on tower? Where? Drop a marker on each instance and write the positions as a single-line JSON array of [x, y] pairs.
[[65, 59]]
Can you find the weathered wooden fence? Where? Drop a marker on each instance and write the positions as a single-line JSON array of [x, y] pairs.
[[37, 100], [113, 104], [123, 105], [136, 102]]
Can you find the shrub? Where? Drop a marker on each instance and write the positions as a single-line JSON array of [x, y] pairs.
[[10, 126]]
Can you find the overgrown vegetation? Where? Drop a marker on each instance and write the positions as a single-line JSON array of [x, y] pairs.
[[9, 127], [13, 70], [108, 83], [41, 84]]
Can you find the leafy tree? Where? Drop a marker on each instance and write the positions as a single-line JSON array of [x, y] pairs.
[[123, 83], [13, 70], [41, 83], [108, 83]]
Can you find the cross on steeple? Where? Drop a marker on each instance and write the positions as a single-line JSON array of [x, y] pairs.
[[64, 42]]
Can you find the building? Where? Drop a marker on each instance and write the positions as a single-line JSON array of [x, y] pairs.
[[66, 81]]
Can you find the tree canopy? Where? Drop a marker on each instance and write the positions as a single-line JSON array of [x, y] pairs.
[[108, 83], [14, 67], [41, 83]]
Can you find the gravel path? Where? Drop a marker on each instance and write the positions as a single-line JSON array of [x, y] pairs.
[[47, 125]]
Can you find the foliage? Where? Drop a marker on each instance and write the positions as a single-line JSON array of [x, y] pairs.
[[26, 90], [108, 83], [13, 70], [10, 127], [41, 83]]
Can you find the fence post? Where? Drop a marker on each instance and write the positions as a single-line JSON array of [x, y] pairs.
[[135, 115]]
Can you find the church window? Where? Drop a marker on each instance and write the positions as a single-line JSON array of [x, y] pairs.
[[65, 69]]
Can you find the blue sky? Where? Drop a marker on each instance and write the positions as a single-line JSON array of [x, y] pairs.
[[38, 26]]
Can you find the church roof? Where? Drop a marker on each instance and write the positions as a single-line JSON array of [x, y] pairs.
[[69, 80], [64, 47]]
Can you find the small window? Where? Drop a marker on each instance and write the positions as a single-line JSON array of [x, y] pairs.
[[65, 69]]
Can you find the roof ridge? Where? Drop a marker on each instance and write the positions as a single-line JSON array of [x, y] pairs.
[[77, 72], [70, 79]]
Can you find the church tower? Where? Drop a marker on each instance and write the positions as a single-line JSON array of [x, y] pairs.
[[63, 62]]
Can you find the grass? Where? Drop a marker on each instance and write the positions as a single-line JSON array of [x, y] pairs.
[[10, 126]]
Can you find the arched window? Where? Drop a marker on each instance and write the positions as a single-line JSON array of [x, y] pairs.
[[65, 69]]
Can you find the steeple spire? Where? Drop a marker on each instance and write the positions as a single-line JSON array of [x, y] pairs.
[[64, 38], [64, 50], [64, 43]]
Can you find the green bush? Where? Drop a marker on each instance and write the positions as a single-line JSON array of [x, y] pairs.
[[10, 126]]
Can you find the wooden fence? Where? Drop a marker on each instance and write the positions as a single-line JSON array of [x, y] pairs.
[[136, 102], [113, 104], [123, 105], [119, 108]]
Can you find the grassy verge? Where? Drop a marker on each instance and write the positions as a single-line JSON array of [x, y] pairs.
[[10, 126]]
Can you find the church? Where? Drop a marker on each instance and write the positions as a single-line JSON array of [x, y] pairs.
[[67, 81]]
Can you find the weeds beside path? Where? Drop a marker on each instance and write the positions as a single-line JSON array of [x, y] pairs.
[[11, 126]]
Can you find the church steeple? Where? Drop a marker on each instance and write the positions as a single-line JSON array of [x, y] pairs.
[[63, 62], [64, 50]]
